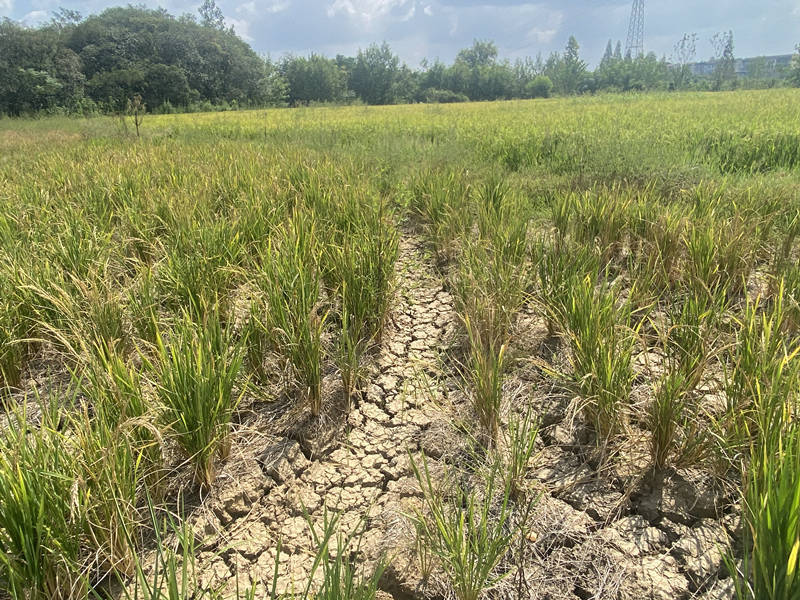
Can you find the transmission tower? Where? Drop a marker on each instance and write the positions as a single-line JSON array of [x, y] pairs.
[[635, 45]]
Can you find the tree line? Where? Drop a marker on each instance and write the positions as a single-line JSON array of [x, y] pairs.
[[101, 63]]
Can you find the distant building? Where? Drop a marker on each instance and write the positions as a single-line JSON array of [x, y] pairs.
[[757, 66]]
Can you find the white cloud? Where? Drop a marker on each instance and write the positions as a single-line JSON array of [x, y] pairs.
[[253, 8], [428, 10], [6, 6], [542, 36], [241, 27], [277, 6], [35, 17], [367, 11]]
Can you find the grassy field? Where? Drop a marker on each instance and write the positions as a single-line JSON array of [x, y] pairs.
[[618, 287]]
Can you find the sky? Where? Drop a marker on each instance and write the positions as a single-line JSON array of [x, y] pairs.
[[418, 29]]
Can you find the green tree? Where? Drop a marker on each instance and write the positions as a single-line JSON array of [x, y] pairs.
[[313, 79], [374, 74], [274, 89], [567, 71], [482, 53], [211, 15]]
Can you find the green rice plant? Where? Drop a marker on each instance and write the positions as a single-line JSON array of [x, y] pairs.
[[260, 343], [13, 335], [143, 304], [502, 222], [173, 574], [79, 317], [40, 528], [761, 366], [441, 200], [350, 349], [200, 266], [196, 370], [562, 209], [78, 248], [702, 269], [705, 200], [489, 291], [470, 532], [772, 516], [358, 271], [485, 369], [341, 577], [688, 340], [784, 252], [602, 340], [290, 283], [520, 447], [426, 561], [108, 473], [560, 269], [596, 218], [113, 389], [676, 437], [663, 244], [719, 254], [790, 279]]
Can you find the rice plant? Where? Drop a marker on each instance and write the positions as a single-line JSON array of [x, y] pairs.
[[719, 254], [559, 270], [441, 200], [13, 344], [196, 368], [40, 530], [358, 270], [200, 266], [341, 576], [143, 304], [761, 367], [113, 389], [601, 336], [470, 532], [520, 448], [771, 508], [350, 348], [485, 367], [688, 341], [290, 282], [173, 572]]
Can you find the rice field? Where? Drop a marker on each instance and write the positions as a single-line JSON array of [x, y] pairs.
[[530, 349]]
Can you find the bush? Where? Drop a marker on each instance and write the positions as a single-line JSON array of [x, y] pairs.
[[539, 87], [434, 95]]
